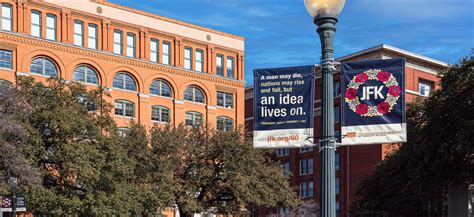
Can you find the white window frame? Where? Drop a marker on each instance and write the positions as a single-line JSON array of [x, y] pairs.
[[303, 190], [131, 45], [7, 18], [36, 25], [424, 87], [194, 116], [225, 100], [199, 64], [310, 166], [154, 50], [92, 35], [220, 65], [160, 110], [124, 104], [188, 58], [166, 53], [231, 67], [118, 41], [303, 167], [78, 36], [51, 29], [225, 120], [311, 189], [281, 152]]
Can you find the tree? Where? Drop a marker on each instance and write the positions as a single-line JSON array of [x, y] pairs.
[[414, 180], [215, 171], [16, 157], [70, 143]]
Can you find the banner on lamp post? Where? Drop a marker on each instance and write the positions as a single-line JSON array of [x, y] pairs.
[[283, 107], [373, 102]]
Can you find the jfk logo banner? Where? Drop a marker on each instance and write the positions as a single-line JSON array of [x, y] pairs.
[[283, 107], [374, 102]]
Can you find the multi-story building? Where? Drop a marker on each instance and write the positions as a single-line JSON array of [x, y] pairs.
[[156, 69], [353, 163]]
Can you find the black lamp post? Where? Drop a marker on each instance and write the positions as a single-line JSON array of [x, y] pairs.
[[13, 182], [325, 14]]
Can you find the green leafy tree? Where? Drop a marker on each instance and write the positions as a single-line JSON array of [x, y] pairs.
[[414, 180], [71, 144], [215, 171]]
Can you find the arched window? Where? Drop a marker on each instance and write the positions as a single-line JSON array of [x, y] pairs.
[[86, 74], [224, 123], [160, 114], [194, 119], [194, 94], [123, 131], [124, 108], [125, 82], [43, 66], [160, 88]]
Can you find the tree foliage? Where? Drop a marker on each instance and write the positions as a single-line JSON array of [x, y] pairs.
[[61, 143], [414, 180], [214, 171]]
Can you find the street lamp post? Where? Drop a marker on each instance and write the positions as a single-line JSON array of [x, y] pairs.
[[325, 14], [13, 184]]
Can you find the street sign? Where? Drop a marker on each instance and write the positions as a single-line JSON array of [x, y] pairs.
[[7, 204], [283, 107], [374, 102]]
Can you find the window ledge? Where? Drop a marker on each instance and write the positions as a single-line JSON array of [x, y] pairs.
[[163, 97], [222, 107], [125, 117], [130, 91]]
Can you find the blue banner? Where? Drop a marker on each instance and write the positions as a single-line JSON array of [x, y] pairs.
[[283, 107], [373, 102]]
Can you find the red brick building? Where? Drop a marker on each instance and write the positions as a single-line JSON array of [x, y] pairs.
[[355, 162]]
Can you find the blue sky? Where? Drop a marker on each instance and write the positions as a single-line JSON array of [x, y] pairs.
[[281, 33]]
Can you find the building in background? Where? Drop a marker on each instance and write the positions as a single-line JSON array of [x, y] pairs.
[[355, 162], [157, 70]]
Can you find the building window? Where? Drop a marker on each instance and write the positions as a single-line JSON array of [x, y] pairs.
[[160, 88], [337, 89], [283, 152], [117, 41], [7, 17], [6, 60], [160, 114], [188, 57], [337, 161], [194, 94], [220, 65], [86, 74], [194, 119], [154, 43], [166, 53], [311, 189], [225, 100], [78, 33], [130, 45], [303, 167], [286, 168], [306, 149], [36, 23], [425, 87], [225, 123], [230, 67], [51, 27], [125, 82], [303, 190], [337, 114], [283, 211], [310, 166], [123, 131], [199, 61], [43, 66], [92, 36], [124, 108], [337, 185]]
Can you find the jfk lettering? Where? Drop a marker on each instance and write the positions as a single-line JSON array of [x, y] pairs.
[[367, 92]]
